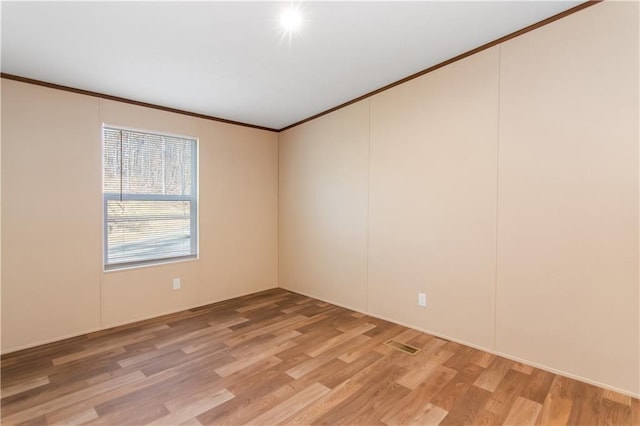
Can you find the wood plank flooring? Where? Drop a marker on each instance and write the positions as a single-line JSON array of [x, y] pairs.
[[277, 357]]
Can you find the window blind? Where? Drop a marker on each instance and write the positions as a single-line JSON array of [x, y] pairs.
[[150, 197]]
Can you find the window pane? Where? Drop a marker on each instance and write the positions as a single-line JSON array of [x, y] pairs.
[[144, 163], [112, 160], [155, 164], [147, 230], [150, 197]]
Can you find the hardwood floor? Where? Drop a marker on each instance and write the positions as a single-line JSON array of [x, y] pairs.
[[281, 358]]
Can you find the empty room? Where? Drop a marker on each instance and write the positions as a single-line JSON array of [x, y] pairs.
[[320, 212]]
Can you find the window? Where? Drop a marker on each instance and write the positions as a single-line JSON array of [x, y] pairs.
[[149, 196]]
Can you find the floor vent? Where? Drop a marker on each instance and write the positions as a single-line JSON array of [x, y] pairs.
[[402, 347]]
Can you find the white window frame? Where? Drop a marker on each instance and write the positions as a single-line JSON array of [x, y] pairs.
[[193, 199]]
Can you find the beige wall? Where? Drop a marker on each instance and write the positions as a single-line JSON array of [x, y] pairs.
[[567, 293], [433, 199], [323, 207], [52, 280], [51, 214], [504, 186], [0, 215], [239, 231]]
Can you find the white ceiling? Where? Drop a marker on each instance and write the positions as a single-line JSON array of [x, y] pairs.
[[230, 59]]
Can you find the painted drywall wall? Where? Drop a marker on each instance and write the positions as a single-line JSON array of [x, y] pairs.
[[567, 291], [0, 214], [323, 207], [505, 186], [52, 280], [51, 183], [433, 199], [239, 232]]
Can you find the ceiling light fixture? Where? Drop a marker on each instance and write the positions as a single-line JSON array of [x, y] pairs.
[[291, 20]]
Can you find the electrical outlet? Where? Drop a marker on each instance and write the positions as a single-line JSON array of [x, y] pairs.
[[176, 284], [422, 299]]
